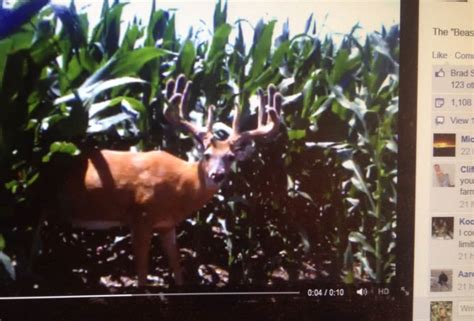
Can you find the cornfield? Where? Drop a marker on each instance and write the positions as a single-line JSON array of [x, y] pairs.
[[317, 204]]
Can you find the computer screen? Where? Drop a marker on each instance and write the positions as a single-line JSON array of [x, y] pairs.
[[201, 160], [443, 288]]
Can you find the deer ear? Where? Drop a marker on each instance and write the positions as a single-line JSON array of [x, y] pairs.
[[244, 151]]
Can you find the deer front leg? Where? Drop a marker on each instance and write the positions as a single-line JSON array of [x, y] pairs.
[[170, 247], [141, 237]]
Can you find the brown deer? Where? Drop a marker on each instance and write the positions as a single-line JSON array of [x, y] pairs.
[[155, 190]]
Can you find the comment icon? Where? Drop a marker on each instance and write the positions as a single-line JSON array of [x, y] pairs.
[[439, 120], [439, 102]]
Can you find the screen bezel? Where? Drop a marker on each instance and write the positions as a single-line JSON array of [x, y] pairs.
[[300, 308]]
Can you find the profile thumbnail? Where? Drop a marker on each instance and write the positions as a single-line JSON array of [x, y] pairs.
[[442, 228], [444, 145], [443, 175], [441, 311], [441, 281]]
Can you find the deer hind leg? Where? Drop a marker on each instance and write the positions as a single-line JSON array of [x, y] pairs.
[[141, 238], [170, 247]]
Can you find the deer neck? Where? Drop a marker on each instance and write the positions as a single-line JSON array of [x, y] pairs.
[[193, 191], [207, 186]]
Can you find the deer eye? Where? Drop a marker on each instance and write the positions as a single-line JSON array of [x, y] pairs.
[[207, 157]]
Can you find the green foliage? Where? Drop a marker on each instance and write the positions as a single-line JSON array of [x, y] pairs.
[[7, 271], [324, 190], [2, 243]]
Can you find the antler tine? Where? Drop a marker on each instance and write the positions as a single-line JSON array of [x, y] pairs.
[[210, 118], [264, 130], [236, 121], [261, 107], [177, 93], [268, 117], [278, 102], [170, 84], [184, 101], [271, 93]]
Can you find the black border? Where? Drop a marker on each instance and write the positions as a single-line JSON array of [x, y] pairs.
[[302, 308], [409, 24], [409, 21]]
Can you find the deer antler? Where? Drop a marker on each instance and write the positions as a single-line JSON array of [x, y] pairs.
[[268, 117], [177, 94]]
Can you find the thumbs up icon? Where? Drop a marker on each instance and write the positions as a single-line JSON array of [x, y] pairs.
[[440, 73]]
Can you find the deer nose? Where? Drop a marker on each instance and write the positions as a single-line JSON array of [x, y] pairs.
[[217, 177]]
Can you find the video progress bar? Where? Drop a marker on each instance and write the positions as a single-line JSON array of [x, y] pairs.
[[147, 295]]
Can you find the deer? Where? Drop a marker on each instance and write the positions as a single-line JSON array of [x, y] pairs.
[[155, 190]]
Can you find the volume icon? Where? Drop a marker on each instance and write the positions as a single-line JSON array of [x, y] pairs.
[[362, 291]]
